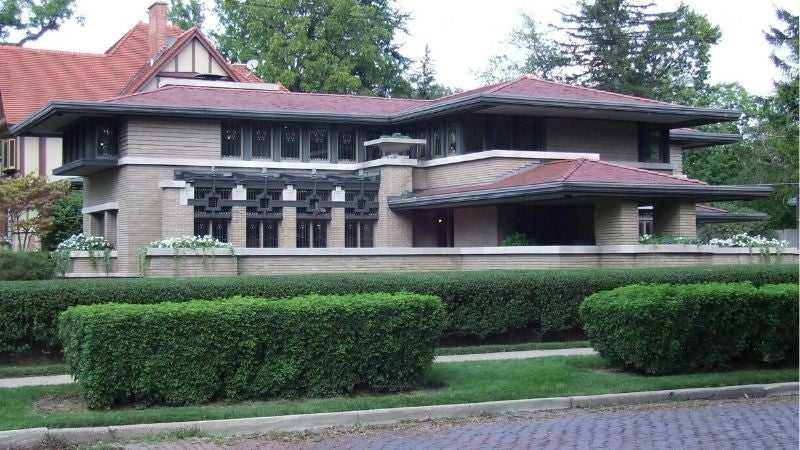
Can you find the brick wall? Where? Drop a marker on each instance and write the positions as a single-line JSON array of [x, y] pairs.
[[616, 222], [467, 173], [475, 227], [171, 138], [613, 140], [675, 218]]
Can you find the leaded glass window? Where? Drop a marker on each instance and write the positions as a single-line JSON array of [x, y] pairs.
[[231, 139], [106, 139], [436, 142], [290, 142], [262, 142], [359, 233], [312, 233], [216, 228], [372, 152], [262, 233], [452, 138], [318, 143], [347, 145]]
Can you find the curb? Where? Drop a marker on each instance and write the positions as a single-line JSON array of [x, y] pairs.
[[33, 437]]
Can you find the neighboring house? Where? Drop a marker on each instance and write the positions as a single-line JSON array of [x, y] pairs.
[[142, 58], [176, 151]]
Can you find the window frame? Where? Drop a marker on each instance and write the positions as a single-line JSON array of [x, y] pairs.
[[299, 143], [226, 125], [311, 151]]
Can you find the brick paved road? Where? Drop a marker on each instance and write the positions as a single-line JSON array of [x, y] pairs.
[[751, 424]]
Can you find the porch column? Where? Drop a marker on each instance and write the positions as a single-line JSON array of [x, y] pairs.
[[676, 218], [616, 222], [393, 229], [177, 216], [287, 227], [336, 227], [237, 234]]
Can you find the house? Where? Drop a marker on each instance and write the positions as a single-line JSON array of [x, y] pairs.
[[319, 182]]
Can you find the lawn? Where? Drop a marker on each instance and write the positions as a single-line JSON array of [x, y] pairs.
[[31, 368], [448, 383], [493, 348]]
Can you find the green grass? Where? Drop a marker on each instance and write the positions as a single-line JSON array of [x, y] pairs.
[[31, 368], [470, 349], [459, 383]]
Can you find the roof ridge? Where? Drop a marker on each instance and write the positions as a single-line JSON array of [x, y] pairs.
[[575, 167], [577, 86], [651, 172]]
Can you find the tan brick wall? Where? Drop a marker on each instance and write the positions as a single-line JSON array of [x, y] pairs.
[[393, 229], [101, 187], [614, 141], [475, 227], [171, 138], [616, 222], [176, 219], [237, 231], [110, 232], [466, 173], [675, 218], [676, 158], [287, 229], [336, 228]]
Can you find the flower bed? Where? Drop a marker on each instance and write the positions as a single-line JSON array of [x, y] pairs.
[[192, 242], [84, 242]]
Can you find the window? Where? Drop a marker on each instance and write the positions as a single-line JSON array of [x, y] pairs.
[[347, 145], [262, 141], [105, 139], [8, 153], [436, 142], [473, 134], [262, 233], [528, 134], [452, 138], [290, 142], [312, 233], [359, 233], [318, 145], [372, 152], [500, 133], [645, 222], [231, 140], [216, 228], [653, 144]]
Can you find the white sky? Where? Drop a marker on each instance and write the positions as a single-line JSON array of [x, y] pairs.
[[463, 34]]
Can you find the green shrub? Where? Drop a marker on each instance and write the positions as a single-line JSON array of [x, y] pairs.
[[479, 304], [663, 328], [25, 266], [250, 348]]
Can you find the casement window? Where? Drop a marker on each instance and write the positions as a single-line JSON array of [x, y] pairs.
[[262, 141], [645, 222], [653, 144], [359, 233], [452, 138], [500, 133], [437, 148], [312, 233], [216, 228], [474, 129], [318, 144], [231, 139], [346, 148], [105, 139], [9, 154], [290, 142], [372, 152], [262, 233]]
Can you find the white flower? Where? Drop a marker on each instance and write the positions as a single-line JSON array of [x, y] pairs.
[[190, 242]]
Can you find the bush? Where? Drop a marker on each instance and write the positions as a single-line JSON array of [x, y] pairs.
[[665, 328], [250, 348], [25, 266], [479, 304], [67, 220]]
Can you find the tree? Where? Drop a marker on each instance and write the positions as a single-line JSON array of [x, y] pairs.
[[32, 18], [187, 14], [423, 79], [28, 202], [336, 46], [67, 220]]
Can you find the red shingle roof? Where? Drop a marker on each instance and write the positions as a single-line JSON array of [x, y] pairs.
[[574, 171]]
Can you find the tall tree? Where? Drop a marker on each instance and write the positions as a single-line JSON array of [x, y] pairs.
[[23, 21], [28, 202], [423, 79], [187, 14], [337, 46]]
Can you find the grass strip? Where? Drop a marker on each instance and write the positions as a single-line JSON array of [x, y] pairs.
[[15, 370], [495, 348]]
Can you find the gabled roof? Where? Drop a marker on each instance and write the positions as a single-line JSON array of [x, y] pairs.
[[575, 178]]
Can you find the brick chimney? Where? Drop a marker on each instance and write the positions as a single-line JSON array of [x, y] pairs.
[[157, 29]]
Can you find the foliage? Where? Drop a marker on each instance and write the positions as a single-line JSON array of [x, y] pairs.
[[28, 202], [335, 46], [84, 242], [479, 304], [423, 79], [516, 239], [668, 240], [33, 18], [662, 328], [748, 241], [25, 266], [187, 14], [67, 220], [199, 351], [192, 242]]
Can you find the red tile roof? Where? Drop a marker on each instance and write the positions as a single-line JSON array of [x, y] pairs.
[[574, 171], [263, 100], [30, 78]]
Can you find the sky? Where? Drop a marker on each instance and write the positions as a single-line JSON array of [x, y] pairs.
[[464, 34]]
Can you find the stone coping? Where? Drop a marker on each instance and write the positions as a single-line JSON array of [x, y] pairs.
[[86, 254], [456, 251]]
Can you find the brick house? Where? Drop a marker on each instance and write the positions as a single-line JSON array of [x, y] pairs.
[[185, 143]]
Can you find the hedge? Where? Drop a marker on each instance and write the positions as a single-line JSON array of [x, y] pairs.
[[479, 304], [250, 348], [663, 328], [25, 266]]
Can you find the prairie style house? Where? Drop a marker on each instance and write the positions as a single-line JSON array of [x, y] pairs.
[[192, 145]]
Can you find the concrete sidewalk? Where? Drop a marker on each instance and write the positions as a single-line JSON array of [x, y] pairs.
[[67, 379]]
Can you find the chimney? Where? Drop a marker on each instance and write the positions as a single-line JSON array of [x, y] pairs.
[[157, 27]]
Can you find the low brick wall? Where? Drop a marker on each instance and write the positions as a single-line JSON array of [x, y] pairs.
[[164, 262], [85, 265]]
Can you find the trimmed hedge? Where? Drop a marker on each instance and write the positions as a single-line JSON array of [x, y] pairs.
[[479, 304], [250, 348], [25, 266], [664, 328]]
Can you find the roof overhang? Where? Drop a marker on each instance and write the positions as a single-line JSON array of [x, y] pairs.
[[83, 167], [704, 217], [697, 139], [562, 190]]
